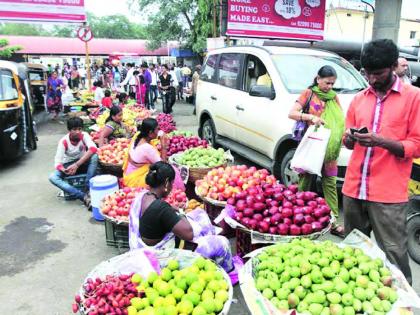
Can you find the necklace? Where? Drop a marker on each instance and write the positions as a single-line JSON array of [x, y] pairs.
[[152, 193]]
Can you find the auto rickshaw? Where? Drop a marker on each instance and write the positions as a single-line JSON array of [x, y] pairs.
[[38, 76], [17, 127], [413, 219]]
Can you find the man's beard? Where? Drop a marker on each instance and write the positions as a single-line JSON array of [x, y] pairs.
[[382, 86]]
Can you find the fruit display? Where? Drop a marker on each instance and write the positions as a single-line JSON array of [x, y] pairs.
[[131, 116], [117, 205], [87, 96], [193, 204], [166, 122], [199, 289], [180, 133], [180, 143], [224, 183], [277, 209], [202, 157], [321, 278], [177, 199], [110, 295], [114, 152]]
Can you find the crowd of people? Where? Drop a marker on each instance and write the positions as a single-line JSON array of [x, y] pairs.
[[145, 83]]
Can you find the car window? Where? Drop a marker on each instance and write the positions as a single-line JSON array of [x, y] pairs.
[[8, 90], [209, 70], [256, 73], [298, 72], [229, 66], [36, 76]]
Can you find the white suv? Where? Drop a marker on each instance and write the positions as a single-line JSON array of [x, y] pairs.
[[243, 109]]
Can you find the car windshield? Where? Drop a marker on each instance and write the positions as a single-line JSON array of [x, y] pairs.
[[35, 75], [298, 71]]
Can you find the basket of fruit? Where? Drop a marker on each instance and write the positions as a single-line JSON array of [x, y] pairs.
[[193, 204], [166, 122], [111, 156], [276, 213], [165, 282], [200, 161], [181, 143], [310, 277]]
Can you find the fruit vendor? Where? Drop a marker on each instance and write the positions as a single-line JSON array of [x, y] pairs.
[[142, 153], [154, 223], [376, 183], [76, 154], [114, 127], [319, 105]]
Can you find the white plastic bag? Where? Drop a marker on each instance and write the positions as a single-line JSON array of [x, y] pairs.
[[310, 153]]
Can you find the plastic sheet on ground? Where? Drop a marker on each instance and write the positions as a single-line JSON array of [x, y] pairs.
[[258, 305]]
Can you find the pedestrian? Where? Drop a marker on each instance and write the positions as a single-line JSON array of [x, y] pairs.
[[130, 81], [178, 74], [99, 92], [402, 70], [186, 73], [74, 78], [82, 73], [153, 95], [148, 80], [165, 84], [54, 88], [195, 78], [140, 87], [174, 87], [116, 77], [76, 155], [376, 183], [323, 108]]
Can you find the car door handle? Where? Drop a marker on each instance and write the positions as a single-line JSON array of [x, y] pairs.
[[239, 108], [214, 98]]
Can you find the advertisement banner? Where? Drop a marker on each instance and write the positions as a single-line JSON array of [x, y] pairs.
[[288, 19], [62, 11]]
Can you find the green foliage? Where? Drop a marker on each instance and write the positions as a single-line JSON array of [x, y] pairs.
[[7, 51], [22, 29], [188, 21]]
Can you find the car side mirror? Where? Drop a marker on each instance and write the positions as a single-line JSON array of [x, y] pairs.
[[262, 91]]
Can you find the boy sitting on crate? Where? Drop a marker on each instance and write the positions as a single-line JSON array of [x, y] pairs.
[[76, 155]]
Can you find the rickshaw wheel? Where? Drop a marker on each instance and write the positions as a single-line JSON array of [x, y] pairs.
[[413, 232]]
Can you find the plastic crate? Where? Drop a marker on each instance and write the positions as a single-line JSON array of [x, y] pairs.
[[213, 211], [77, 181], [116, 234], [244, 245]]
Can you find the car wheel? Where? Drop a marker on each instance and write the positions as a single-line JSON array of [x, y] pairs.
[[287, 175], [209, 132], [413, 232]]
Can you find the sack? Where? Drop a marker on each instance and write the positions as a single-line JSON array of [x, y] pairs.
[[301, 126], [310, 153]]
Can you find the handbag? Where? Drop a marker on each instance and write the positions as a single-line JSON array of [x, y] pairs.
[[301, 126]]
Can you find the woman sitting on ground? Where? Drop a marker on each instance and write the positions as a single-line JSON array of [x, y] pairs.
[[154, 223], [114, 127]]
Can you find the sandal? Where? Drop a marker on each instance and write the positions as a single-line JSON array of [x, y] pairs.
[[86, 202], [338, 230]]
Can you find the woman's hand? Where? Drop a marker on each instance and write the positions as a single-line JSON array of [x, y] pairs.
[[317, 121]]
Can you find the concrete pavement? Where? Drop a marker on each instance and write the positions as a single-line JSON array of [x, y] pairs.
[[48, 245]]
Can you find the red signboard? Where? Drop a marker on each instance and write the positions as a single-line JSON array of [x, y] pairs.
[[291, 19], [68, 11]]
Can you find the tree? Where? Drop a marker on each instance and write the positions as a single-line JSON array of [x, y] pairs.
[[115, 26], [22, 29], [188, 21], [7, 51]]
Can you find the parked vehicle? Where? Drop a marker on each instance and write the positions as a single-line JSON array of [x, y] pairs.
[[38, 76], [252, 119], [17, 128], [413, 219]]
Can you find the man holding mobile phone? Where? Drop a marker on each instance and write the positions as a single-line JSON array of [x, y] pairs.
[[376, 184]]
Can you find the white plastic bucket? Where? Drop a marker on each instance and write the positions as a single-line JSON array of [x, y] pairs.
[[101, 186]]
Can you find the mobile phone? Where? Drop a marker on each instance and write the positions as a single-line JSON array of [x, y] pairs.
[[363, 130], [353, 130]]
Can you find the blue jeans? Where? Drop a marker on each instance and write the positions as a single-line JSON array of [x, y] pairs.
[[153, 95], [89, 167]]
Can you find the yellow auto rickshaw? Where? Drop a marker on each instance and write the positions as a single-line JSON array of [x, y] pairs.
[[17, 127], [38, 76]]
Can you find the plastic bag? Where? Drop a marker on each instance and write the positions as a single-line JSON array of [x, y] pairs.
[[310, 153]]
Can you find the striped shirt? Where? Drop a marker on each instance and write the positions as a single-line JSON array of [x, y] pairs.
[[374, 173]]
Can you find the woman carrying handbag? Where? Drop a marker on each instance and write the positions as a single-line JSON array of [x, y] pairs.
[[319, 105]]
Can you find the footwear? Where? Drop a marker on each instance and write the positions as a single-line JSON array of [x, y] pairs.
[[86, 202], [338, 230]]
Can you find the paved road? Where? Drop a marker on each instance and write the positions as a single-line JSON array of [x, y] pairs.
[[47, 245]]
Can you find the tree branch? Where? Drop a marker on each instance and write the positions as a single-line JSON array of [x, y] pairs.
[[188, 20]]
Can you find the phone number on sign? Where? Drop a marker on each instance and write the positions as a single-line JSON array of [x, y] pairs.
[[309, 24]]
